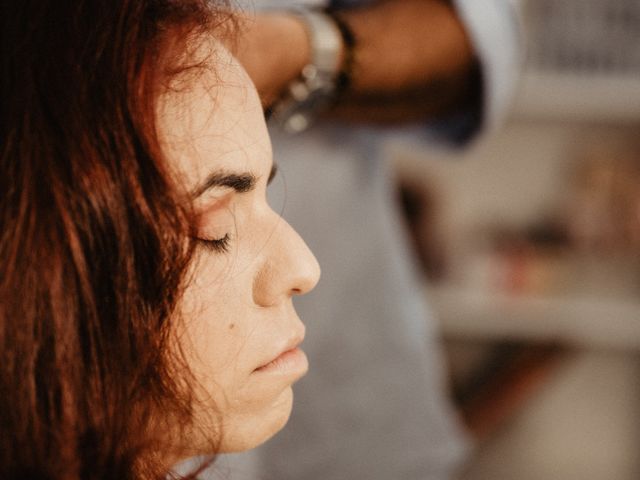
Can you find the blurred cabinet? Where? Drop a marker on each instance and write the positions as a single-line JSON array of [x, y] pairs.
[[532, 240], [551, 336], [583, 60]]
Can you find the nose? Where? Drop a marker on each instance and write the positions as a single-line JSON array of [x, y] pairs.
[[289, 268]]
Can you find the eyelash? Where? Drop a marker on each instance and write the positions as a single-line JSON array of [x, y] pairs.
[[218, 245]]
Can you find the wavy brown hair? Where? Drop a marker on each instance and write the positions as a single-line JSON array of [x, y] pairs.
[[93, 236]]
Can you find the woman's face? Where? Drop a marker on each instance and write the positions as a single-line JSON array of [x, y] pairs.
[[237, 325]]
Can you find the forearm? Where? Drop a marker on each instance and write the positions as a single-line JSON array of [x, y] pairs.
[[412, 59], [404, 44], [436, 99]]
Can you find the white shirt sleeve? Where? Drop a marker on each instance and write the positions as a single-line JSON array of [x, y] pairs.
[[495, 30]]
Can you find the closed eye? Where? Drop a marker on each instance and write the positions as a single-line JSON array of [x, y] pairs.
[[217, 245]]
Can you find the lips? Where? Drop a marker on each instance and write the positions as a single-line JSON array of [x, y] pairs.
[[288, 359]]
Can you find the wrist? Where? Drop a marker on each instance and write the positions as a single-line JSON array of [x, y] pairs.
[[273, 48], [322, 79], [296, 52], [293, 52]]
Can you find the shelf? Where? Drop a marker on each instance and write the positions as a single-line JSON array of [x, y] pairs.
[[576, 321], [574, 97]]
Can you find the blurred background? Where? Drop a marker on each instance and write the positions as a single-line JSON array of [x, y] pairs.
[[530, 247]]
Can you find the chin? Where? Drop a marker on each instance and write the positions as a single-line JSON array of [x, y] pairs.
[[250, 430]]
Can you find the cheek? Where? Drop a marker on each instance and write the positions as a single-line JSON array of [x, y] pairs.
[[211, 337], [218, 326], [224, 337]]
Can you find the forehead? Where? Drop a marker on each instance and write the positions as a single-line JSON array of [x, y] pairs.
[[212, 119]]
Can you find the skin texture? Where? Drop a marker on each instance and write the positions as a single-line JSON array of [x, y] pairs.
[[413, 59], [237, 312]]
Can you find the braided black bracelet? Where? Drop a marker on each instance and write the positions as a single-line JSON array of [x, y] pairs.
[[343, 80]]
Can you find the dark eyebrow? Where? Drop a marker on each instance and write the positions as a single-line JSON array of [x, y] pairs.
[[240, 182]]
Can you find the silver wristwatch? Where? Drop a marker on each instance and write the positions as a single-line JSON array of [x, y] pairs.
[[312, 92]]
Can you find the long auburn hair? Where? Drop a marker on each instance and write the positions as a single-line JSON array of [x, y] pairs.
[[93, 233]]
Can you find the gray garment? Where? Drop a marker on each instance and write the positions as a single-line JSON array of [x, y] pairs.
[[373, 405]]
